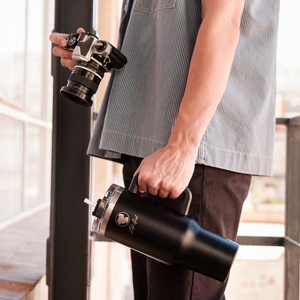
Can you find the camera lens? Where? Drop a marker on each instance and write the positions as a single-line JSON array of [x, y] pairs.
[[83, 83]]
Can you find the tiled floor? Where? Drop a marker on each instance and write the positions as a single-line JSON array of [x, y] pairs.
[[23, 255]]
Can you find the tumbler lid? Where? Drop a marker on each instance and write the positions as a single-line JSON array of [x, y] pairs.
[[102, 204], [104, 207]]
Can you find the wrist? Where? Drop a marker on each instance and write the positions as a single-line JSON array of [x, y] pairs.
[[183, 142], [187, 133]]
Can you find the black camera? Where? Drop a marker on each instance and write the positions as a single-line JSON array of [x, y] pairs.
[[95, 57]]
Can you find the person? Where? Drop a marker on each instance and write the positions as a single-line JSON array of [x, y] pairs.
[[194, 106]]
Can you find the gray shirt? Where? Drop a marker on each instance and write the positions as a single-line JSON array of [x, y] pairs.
[[142, 100]]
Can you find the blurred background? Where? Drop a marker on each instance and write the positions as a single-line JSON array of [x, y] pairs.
[[25, 139]]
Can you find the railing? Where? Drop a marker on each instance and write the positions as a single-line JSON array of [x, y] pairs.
[[292, 213]]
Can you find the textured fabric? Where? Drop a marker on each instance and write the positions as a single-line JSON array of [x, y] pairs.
[[218, 197], [142, 100]]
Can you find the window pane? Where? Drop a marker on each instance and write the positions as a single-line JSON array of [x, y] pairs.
[[35, 166], [35, 101], [288, 57], [12, 51], [11, 136]]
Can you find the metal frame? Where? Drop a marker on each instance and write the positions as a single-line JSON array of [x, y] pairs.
[[68, 247], [292, 213]]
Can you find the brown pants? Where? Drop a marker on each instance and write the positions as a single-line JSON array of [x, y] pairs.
[[218, 197]]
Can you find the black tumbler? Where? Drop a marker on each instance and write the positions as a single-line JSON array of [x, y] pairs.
[[162, 233]]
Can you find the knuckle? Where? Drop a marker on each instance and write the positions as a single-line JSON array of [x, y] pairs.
[[175, 193], [142, 184], [72, 65], [142, 179], [145, 178], [153, 192], [164, 190], [67, 54], [63, 62], [164, 186], [163, 194], [55, 50], [153, 185]]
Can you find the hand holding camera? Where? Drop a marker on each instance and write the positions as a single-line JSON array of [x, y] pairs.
[[90, 58], [59, 39]]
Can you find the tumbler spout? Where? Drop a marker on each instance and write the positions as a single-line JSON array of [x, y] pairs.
[[89, 202]]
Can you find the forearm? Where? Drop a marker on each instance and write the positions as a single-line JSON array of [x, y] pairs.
[[168, 171], [208, 74]]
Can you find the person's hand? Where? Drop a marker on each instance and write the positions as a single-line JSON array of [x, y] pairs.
[[66, 56], [167, 172]]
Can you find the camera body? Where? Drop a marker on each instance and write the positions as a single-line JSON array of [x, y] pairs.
[[95, 57]]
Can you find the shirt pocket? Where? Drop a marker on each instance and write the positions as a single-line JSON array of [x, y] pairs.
[[152, 6]]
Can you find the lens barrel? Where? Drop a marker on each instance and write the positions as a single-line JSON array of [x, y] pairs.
[[83, 83]]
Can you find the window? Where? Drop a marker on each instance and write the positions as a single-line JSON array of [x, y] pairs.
[[25, 106], [11, 158], [288, 60]]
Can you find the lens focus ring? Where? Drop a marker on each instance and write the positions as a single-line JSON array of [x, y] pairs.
[[75, 77]]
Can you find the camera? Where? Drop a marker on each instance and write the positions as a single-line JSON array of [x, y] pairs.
[[95, 57]]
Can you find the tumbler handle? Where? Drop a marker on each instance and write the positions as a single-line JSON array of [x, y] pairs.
[[185, 205]]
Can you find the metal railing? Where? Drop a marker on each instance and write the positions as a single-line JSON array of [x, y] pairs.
[[292, 213]]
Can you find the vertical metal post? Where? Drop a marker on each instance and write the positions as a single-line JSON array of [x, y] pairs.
[[292, 208], [68, 245]]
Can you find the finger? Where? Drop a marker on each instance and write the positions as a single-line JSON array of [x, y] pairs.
[[153, 186], [163, 193], [58, 51], [58, 38], [69, 63], [141, 191], [150, 186], [153, 191], [142, 184], [175, 193], [137, 172], [80, 30]]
